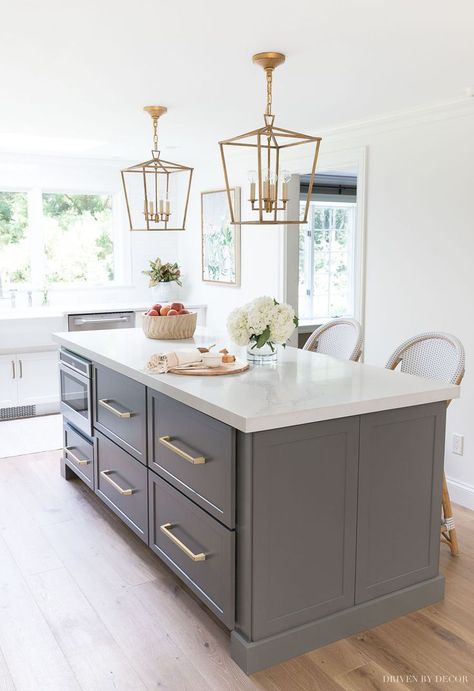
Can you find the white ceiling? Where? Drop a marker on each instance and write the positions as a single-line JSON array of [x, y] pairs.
[[75, 75]]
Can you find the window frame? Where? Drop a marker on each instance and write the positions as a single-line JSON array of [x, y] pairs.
[[307, 312], [36, 238]]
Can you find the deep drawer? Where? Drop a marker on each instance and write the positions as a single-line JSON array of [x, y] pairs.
[[194, 545], [120, 410], [78, 453], [121, 482], [195, 453]]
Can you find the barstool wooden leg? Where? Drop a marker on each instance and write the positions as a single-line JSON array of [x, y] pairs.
[[448, 530]]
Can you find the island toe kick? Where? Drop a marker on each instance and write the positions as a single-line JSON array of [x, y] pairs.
[[293, 537]]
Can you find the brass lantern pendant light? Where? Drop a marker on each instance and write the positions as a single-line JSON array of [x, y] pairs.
[[157, 191], [277, 157]]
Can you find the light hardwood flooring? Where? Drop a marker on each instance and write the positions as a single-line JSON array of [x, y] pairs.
[[85, 605]]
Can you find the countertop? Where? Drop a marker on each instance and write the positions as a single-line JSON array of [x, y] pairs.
[[302, 387]]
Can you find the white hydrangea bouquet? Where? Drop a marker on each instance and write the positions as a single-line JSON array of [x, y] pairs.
[[261, 325]]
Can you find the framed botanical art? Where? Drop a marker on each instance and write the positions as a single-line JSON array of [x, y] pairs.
[[220, 240]]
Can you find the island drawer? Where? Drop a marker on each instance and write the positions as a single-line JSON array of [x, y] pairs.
[[121, 482], [120, 410], [194, 545], [78, 453], [195, 453]]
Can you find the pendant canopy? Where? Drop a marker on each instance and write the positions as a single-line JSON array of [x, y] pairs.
[[157, 191], [271, 155]]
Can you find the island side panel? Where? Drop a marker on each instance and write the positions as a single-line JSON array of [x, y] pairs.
[[400, 478], [304, 508], [243, 533]]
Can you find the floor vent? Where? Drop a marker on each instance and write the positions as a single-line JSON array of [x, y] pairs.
[[17, 412]]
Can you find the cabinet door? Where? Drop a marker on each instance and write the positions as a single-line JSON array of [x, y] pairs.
[[400, 473], [304, 508], [8, 381], [38, 378]]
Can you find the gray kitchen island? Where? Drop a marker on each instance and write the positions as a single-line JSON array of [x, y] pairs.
[[299, 501]]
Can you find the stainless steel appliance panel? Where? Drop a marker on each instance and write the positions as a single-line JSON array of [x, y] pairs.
[[101, 320]]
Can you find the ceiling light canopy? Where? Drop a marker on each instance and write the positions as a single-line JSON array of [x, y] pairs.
[[275, 159], [157, 191]]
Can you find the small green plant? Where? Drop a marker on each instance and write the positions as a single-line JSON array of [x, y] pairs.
[[163, 273]]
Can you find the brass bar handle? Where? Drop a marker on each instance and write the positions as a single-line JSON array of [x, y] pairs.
[[124, 492], [166, 529], [104, 402], [75, 458], [195, 460]]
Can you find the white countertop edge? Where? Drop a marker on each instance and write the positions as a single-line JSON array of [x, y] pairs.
[[262, 423]]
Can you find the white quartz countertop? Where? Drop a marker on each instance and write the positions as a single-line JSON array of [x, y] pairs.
[[302, 387]]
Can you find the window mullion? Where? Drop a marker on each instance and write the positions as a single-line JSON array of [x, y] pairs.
[[309, 273], [36, 238]]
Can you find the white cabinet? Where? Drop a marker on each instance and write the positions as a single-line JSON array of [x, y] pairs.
[[8, 382], [30, 378], [38, 377]]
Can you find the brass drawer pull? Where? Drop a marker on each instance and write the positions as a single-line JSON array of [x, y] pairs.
[[195, 460], [124, 492], [166, 529], [75, 458], [104, 402]]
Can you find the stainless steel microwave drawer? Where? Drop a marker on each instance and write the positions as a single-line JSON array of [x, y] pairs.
[[121, 482], [120, 410], [199, 549], [195, 453], [78, 453]]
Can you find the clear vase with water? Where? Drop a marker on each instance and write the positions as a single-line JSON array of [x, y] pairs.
[[266, 354]]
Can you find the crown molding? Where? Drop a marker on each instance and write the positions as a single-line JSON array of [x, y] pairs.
[[463, 107]]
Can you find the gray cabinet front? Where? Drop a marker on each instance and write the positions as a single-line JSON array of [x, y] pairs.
[[194, 452], [194, 545], [304, 510], [400, 471], [121, 482], [78, 453], [120, 410]]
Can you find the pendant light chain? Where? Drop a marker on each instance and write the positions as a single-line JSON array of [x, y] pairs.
[[155, 134], [269, 91]]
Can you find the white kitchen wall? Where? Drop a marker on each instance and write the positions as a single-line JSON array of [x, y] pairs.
[[261, 250], [92, 175], [419, 246]]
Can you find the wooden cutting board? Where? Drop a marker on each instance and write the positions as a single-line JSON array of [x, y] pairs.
[[234, 368]]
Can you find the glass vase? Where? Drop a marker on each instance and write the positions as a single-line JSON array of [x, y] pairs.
[[265, 354]]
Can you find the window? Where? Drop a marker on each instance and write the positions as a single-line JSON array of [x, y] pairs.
[[326, 261], [14, 248], [56, 238], [78, 238]]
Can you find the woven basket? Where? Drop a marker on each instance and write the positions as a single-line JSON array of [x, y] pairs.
[[170, 328]]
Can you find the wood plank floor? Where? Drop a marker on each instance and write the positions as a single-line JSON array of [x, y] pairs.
[[85, 605]]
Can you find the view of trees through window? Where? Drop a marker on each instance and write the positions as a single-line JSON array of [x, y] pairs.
[[14, 247], [326, 261], [70, 241], [78, 238]]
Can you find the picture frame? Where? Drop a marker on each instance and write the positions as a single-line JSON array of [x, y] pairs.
[[220, 240]]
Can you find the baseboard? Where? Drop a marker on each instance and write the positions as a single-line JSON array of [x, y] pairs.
[[252, 656], [461, 493]]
